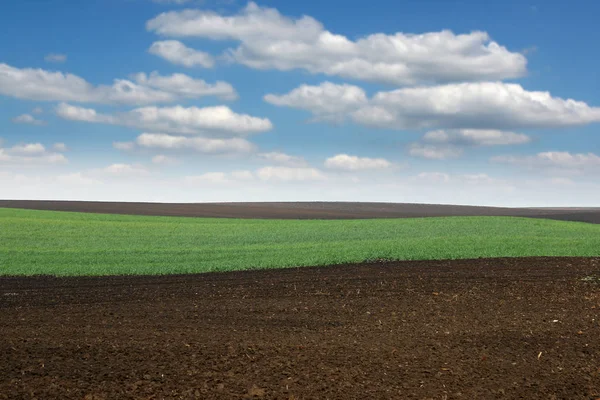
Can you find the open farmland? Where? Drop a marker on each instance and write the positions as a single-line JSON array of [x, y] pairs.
[[61, 243], [468, 329], [504, 320]]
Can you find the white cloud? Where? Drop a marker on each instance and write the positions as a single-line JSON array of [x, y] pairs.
[[43, 85], [325, 101], [178, 53], [186, 86], [76, 113], [60, 147], [433, 152], [56, 58], [451, 143], [485, 105], [554, 160], [269, 40], [475, 137], [27, 149], [37, 110], [286, 174], [347, 162], [471, 112], [197, 144], [28, 119], [208, 121], [287, 160], [25, 154]]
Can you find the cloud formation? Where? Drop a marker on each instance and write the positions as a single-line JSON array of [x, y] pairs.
[[345, 162], [43, 85], [185, 86], [489, 106], [451, 143], [28, 119], [270, 40], [25, 154], [284, 159], [197, 144], [207, 121], [177, 53], [327, 101]]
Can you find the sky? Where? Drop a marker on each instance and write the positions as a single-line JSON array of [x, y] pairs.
[[429, 101]]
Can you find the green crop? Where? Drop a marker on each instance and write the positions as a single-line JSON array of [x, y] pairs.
[[65, 243]]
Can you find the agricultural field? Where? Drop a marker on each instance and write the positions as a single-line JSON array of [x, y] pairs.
[[36, 242], [103, 306]]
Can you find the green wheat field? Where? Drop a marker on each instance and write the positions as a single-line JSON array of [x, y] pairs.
[[66, 243]]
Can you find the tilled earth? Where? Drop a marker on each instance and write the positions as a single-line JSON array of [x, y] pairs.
[[474, 329]]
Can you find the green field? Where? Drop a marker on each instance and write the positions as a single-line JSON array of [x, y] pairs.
[[63, 243]]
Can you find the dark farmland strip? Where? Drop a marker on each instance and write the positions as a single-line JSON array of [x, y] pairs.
[[471, 329], [304, 210]]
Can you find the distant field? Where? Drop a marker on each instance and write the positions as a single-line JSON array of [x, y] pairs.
[[305, 210], [64, 243]]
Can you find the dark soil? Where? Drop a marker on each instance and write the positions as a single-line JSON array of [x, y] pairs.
[[307, 210], [475, 329]]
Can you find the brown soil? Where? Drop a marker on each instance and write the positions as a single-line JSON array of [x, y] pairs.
[[305, 210], [474, 329]]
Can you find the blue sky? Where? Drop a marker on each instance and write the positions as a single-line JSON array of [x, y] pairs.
[[218, 100]]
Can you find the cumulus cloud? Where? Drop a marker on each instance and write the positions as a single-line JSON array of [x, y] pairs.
[[287, 174], [327, 101], [56, 58], [279, 158], [433, 152], [480, 109], [483, 105], [43, 85], [25, 154], [450, 143], [197, 144], [475, 137], [554, 160], [186, 86], [207, 121], [345, 162], [28, 119], [269, 40], [178, 53]]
